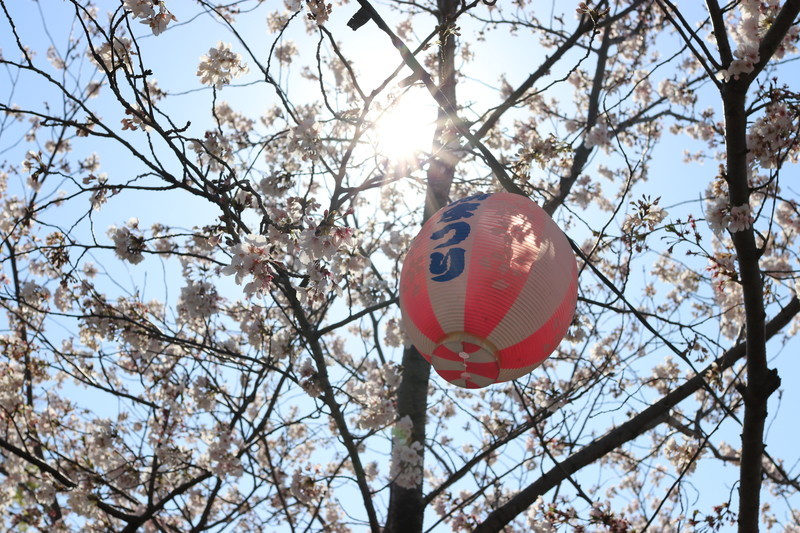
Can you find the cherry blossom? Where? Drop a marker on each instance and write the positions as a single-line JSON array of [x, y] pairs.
[[141, 8], [251, 258], [406, 468], [127, 244], [319, 11], [740, 218], [220, 66], [145, 10]]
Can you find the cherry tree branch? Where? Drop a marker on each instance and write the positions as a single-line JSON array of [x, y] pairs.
[[586, 24], [583, 151], [626, 432], [306, 329], [690, 37], [720, 32]]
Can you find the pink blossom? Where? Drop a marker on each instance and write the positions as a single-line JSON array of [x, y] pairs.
[[251, 257], [220, 66], [128, 243], [158, 23], [740, 218], [140, 8]]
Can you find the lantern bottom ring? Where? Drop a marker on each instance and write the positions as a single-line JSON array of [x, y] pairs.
[[469, 339], [466, 359]]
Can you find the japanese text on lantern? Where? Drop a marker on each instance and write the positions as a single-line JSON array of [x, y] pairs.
[[449, 264]]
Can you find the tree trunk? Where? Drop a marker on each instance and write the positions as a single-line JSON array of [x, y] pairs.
[[761, 382], [406, 506]]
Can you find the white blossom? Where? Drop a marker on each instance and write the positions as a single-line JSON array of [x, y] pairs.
[[220, 66], [318, 11], [198, 301], [772, 138], [113, 56], [285, 51], [684, 455], [598, 135], [145, 10], [305, 488], [740, 219], [406, 470], [747, 36], [251, 257], [127, 244], [140, 8]]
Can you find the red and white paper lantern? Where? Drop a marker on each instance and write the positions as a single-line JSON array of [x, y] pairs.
[[488, 289]]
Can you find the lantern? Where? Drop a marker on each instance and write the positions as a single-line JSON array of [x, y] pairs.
[[488, 289]]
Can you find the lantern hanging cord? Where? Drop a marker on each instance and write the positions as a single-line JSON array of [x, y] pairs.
[[465, 375], [461, 127]]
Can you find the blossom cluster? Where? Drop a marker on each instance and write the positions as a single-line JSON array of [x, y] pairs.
[[773, 137], [754, 17], [376, 395], [220, 66], [598, 135], [322, 242], [677, 93], [285, 51], [252, 257], [127, 243], [307, 488], [145, 10], [684, 455], [747, 37], [309, 379], [395, 335], [304, 138], [197, 302], [319, 11], [214, 151], [221, 454], [406, 470], [721, 216], [544, 151], [646, 215], [113, 54]]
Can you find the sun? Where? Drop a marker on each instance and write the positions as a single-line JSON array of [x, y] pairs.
[[407, 127]]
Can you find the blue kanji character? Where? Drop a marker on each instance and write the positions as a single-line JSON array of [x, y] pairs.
[[461, 230], [458, 211], [447, 266]]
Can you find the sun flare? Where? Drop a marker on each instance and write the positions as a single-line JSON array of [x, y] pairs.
[[406, 128]]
